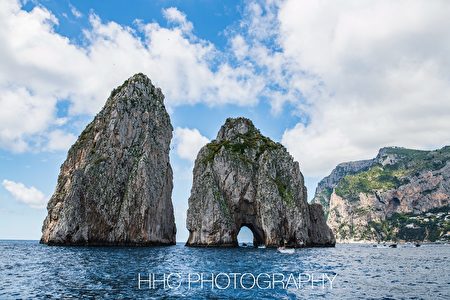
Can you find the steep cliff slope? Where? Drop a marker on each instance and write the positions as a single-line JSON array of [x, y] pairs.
[[115, 186], [402, 194], [245, 179]]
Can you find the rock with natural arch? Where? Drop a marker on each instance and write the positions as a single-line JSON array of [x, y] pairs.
[[245, 179]]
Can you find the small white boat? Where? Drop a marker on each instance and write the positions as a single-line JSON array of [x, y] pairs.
[[262, 247], [286, 250]]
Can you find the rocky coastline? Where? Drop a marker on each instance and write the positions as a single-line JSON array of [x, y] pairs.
[[400, 195]]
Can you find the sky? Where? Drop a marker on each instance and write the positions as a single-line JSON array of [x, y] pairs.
[[333, 81]]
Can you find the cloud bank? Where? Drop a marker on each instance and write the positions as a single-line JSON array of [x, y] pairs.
[[41, 67], [31, 196], [357, 75], [382, 77]]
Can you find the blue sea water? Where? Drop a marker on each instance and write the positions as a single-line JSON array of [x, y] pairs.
[[32, 271]]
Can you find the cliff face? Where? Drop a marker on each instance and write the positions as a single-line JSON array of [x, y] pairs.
[[115, 186], [401, 194], [244, 179]]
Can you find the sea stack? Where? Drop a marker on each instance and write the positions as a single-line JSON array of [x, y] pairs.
[[115, 186], [245, 179]]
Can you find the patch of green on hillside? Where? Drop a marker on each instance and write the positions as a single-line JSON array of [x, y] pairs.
[[381, 178], [284, 191], [418, 160], [433, 225], [376, 178], [252, 139]]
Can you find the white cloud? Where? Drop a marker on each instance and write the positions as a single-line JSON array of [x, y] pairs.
[[188, 142], [47, 65], [75, 12], [361, 75], [173, 15], [28, 195], [23, 114], [385, 69], [239, 47], [58, 140]]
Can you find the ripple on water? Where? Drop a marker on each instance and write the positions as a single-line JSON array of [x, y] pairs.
[[31, 270]]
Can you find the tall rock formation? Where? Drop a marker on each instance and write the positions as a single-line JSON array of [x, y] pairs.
[[115, 186], [401, 194], [245, 179]]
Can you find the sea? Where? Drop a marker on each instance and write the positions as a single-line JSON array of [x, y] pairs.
[[29, 270]]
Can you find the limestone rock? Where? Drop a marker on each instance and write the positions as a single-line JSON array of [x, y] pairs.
[[401, 194], [245, 179], [319, 230], [115, 186]]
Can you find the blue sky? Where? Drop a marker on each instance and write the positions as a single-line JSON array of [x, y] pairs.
[[329, 81]]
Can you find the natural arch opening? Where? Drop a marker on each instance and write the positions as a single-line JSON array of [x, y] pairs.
[[245, 236], [249, 236]]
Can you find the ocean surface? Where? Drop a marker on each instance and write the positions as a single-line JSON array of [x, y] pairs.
[[32, 271]]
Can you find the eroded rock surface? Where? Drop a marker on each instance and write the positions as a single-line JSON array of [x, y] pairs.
[[115, 186], [401, 194], [245, 179]]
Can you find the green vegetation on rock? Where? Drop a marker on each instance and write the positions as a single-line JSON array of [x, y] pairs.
[[252, 139], [431, 226], [397, 180], [223, 205], [391, 176], [377, 178], [283, 190], [418, 160], [126, 82]]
